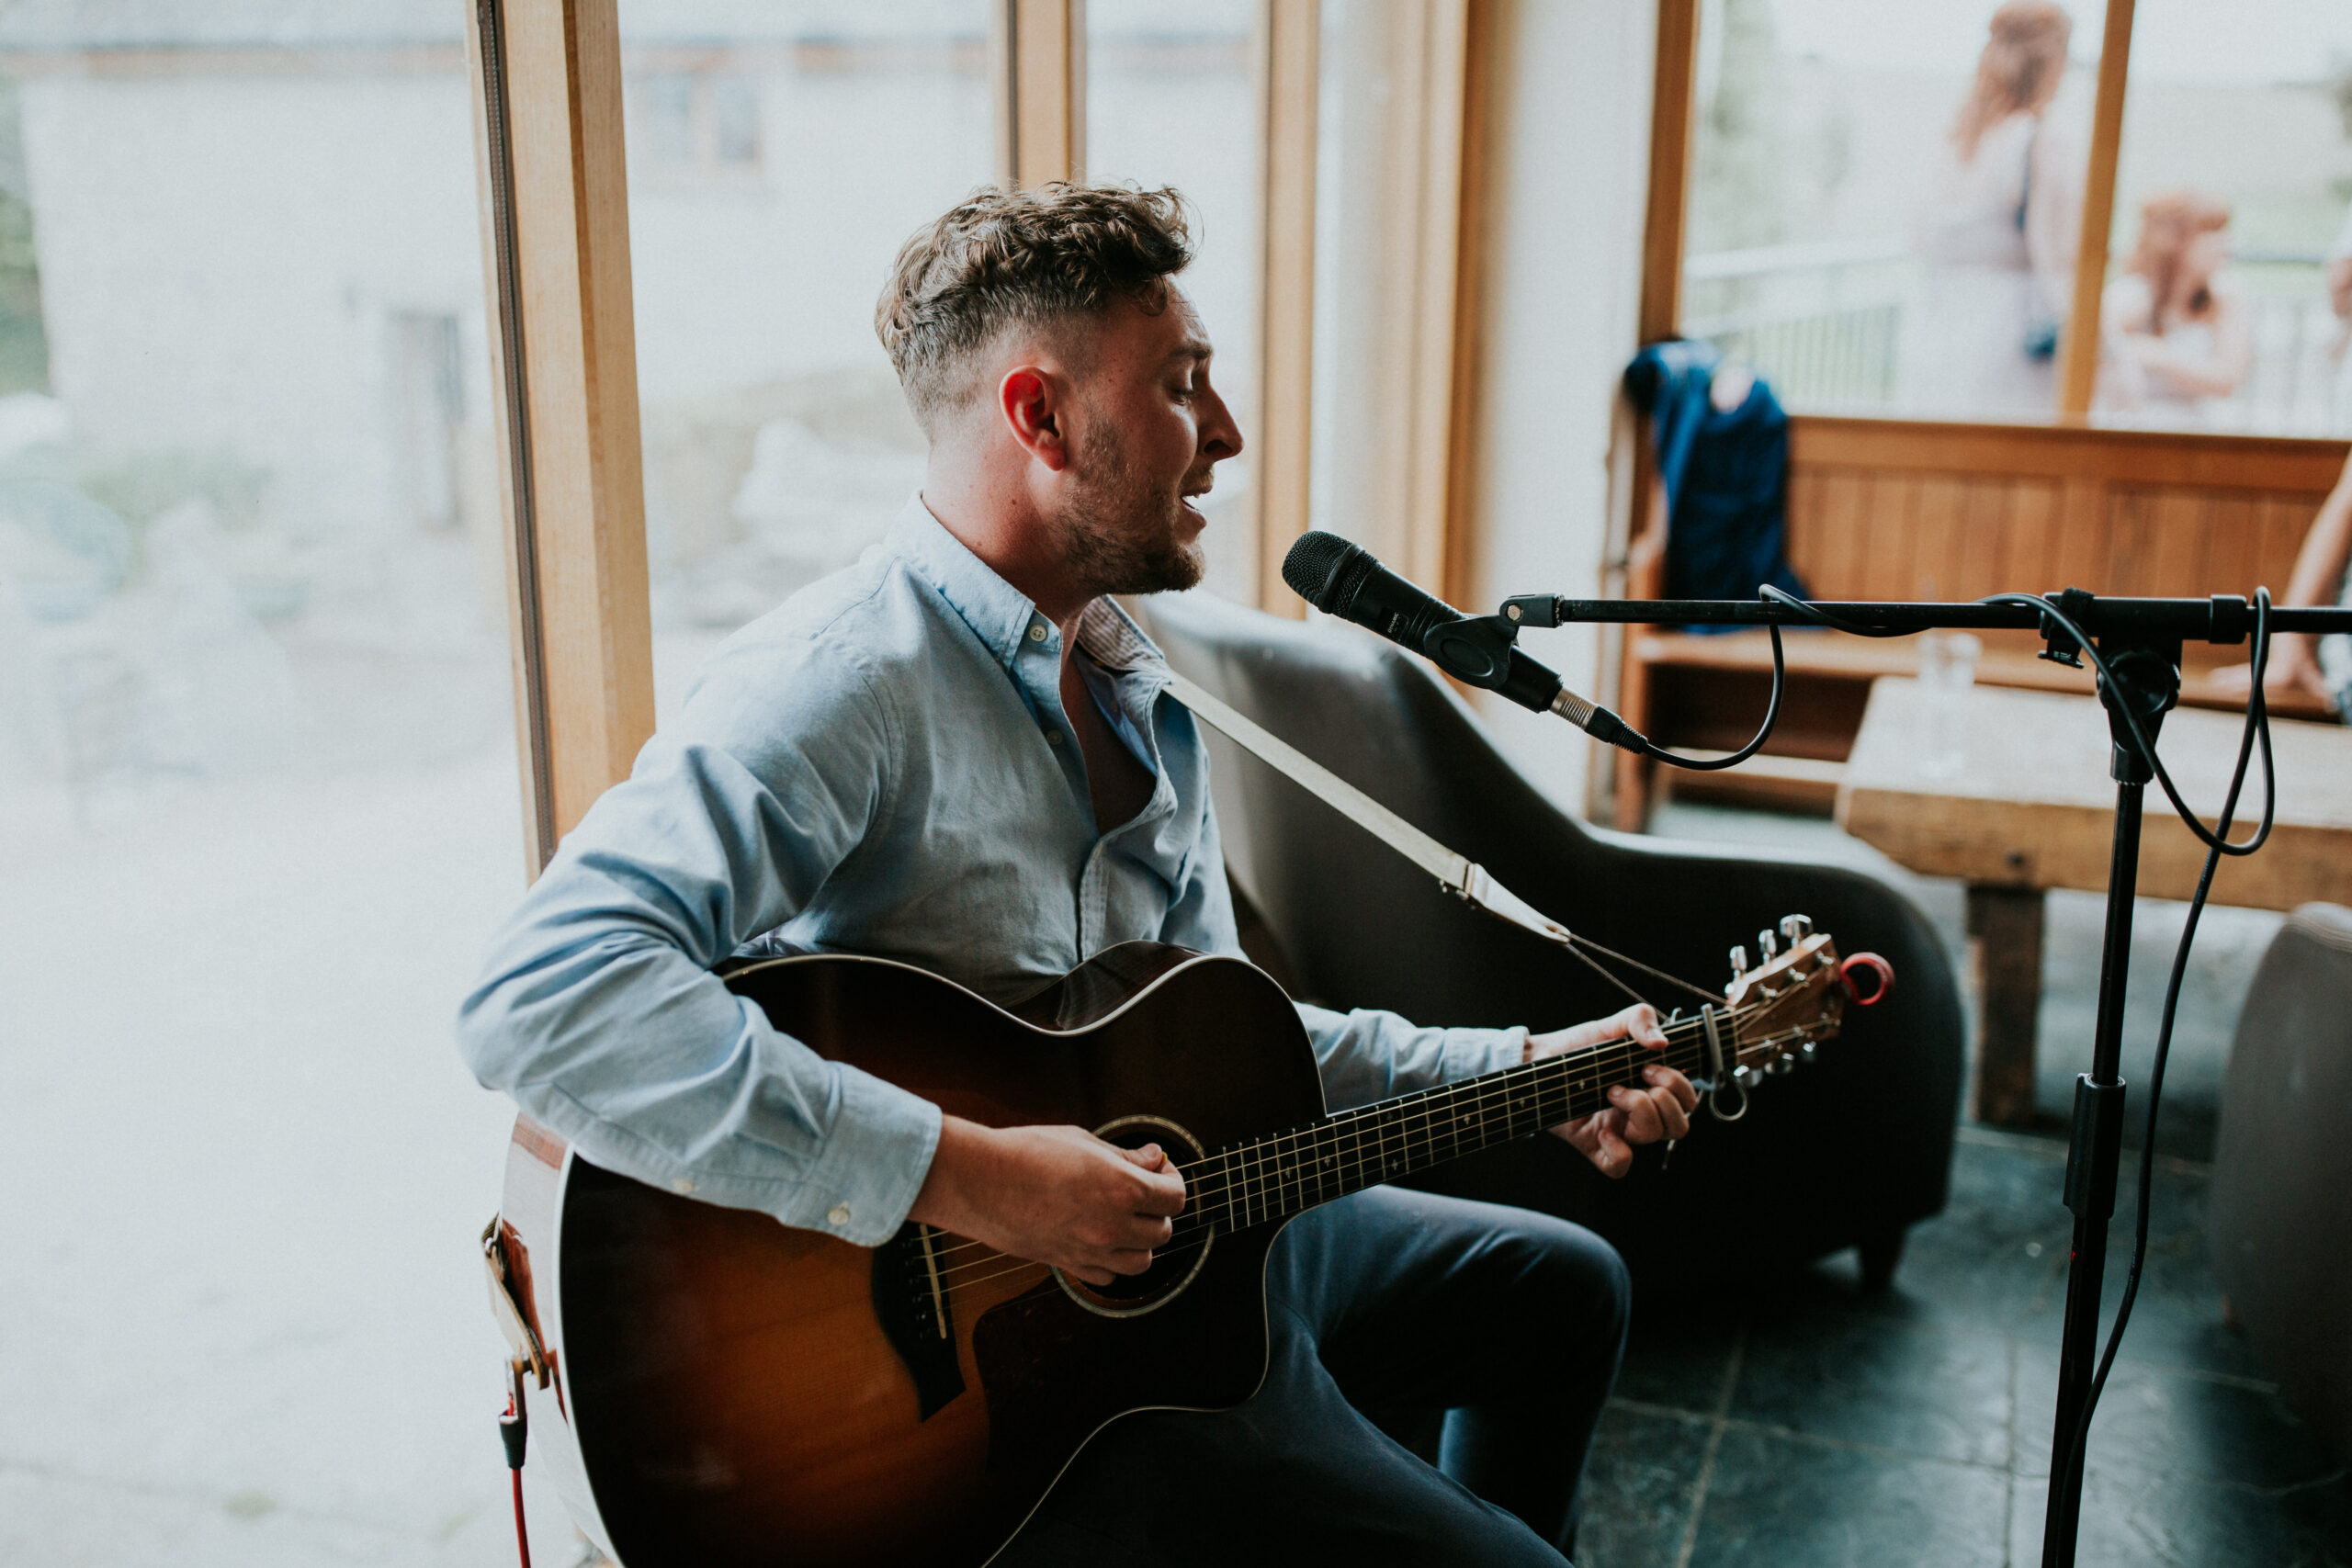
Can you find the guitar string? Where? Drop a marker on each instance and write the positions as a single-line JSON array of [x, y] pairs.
[[1602, 1057], [1159, 1254], [1400, 1131], [1398, 1134], [1234, 1177]]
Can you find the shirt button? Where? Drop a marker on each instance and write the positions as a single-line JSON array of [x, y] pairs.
[[1037, 631], [1052, 737], [837, 1216], [682, 1187]]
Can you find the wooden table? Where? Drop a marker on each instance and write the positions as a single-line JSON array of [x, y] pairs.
[[2033, 806]]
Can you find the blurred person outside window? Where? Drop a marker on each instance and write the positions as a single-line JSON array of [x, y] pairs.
[[2178, 331], [2339, 281], [1997, 234], [2299, 661]]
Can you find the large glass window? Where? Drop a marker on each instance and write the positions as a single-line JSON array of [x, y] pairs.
[[1885, 199], [2233, 204], [779, 155], [1376, 234], [1171, 99], [258, 804]]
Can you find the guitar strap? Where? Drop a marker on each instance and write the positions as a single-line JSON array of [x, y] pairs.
[[1458, 874]]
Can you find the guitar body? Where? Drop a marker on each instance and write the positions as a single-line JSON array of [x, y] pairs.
[[724, 1392], [728, 1390]]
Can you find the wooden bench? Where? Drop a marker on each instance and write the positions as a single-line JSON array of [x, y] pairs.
[[1887, 509]]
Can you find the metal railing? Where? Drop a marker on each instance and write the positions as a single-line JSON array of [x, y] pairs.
[[1825, 323]]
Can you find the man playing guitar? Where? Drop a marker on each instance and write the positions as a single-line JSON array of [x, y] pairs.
[[958, 753]]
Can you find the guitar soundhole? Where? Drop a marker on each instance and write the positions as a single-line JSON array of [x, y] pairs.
[[1173, 1268]]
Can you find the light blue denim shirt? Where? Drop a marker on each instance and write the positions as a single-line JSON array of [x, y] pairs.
[[883, 766]]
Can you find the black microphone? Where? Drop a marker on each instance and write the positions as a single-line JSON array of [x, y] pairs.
[[1347, 581]]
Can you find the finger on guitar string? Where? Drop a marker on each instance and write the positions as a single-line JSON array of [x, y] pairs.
[[1017, 1267], [1058, 1194], [1650, 1114]]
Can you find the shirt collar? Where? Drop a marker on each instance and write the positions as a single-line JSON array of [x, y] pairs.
[[1000, 613]]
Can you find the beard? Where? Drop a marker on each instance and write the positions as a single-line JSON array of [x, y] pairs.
[[1117, 532]]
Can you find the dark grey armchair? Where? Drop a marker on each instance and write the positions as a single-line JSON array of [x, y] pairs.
[[1847, 1153], [2280, 1220]]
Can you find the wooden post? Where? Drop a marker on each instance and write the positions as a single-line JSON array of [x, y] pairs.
[[1434, 240], [2004, 930], [1466, 307], [555, 229], [1040, 48], [1292, 78], [1665, 221], [2078, 354], [1672, 104]]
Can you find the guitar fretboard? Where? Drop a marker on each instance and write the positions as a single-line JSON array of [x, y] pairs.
[[1273, 1177]]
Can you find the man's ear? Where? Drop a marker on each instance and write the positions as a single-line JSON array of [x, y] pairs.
[[1032, 403]]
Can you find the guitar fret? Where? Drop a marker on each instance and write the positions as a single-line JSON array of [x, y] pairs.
[[1273, 1177]]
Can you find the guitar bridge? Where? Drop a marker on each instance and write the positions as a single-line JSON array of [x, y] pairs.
[[910, 1302]]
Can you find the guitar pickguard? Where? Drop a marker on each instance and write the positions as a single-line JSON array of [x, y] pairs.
[[915, 1315]]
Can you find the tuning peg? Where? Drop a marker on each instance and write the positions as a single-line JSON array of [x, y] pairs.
[[1769, 945], [1738, 962], [1781, 1065], [1796, 928], [1809, 1053]]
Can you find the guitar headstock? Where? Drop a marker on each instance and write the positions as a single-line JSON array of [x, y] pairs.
[[1778, 1011]]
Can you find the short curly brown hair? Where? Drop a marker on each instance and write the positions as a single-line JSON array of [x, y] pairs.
[[1002, 258]]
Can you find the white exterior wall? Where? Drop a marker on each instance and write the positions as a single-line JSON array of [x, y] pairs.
[[777, 273], [219, 257], [1566, 186]]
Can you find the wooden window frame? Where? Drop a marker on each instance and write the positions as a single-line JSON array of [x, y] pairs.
[[550, 170], [548, 108], [549, 117], [1673, 136]]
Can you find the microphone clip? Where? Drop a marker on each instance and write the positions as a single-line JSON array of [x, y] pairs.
[[1475, 649]]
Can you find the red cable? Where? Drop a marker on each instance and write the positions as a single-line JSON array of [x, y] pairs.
[[521, 1540], [511, 1428]]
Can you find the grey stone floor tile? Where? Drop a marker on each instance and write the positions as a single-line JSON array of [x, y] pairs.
[[1638, 1488], [2156, 1423], [2177, 1318], [1919, 1391], [1677, 1351], [1776, 1502], [2131, 1520]]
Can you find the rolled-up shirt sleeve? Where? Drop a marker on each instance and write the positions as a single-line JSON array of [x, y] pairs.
[[597, 1011], [1363, 1056]]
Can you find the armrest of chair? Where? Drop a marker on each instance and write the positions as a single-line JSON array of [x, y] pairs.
[[1645, 556]]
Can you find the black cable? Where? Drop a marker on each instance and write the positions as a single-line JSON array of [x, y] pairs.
[[1642, 743], [1820, 617], [2258, 721]]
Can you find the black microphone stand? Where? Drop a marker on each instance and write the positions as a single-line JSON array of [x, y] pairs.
[[2140, 641]]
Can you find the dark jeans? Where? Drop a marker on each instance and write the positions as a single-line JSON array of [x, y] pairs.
[[1386, 1309]]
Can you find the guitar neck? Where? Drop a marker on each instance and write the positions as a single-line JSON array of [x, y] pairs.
[[1273, 1177]]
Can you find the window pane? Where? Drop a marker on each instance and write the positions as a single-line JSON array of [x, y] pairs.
[[1885, 198], [816, 136], [1368, 179], [259, 810], [1171, 99], [2240, 135]]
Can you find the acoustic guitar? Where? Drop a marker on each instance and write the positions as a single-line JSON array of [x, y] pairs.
[[718, 1390]]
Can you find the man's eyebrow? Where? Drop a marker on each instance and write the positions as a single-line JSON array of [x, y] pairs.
[[1194, 349]]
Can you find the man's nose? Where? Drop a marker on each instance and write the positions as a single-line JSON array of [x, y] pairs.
[[1220, 436]]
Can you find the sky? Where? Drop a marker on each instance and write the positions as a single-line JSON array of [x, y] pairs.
[[2181, 41]]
